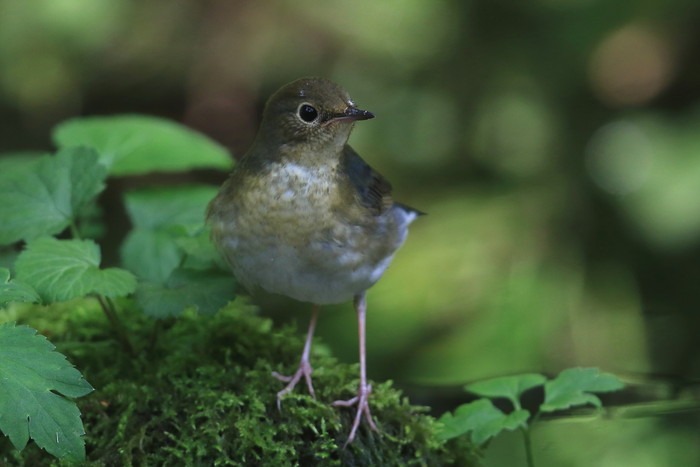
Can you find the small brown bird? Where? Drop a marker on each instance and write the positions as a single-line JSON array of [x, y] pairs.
[[304, 216]]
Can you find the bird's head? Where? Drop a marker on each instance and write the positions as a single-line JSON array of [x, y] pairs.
[[313, 112]]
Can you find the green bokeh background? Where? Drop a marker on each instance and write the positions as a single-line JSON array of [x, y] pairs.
[[555, 145]]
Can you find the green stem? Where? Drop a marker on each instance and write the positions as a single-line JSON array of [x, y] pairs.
[[528, 447], [110, 311], [74, 232]]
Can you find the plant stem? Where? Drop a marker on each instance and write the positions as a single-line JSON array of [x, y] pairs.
[[74, 232], [528, 447], [110, 311]]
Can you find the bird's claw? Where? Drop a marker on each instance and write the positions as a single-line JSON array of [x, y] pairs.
[[362, 402], [304, 370]]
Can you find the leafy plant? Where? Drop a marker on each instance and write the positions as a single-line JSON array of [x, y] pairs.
[[49, 203], [168, 391], [35, 383], [482, 420], [60, 270], [48, 194]]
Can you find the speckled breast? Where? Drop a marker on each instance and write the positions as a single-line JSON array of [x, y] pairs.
[[285, 233]]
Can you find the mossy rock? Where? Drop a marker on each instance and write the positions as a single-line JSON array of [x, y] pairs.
[[199, 391]]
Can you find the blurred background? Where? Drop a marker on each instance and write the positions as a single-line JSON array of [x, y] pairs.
[[555, 145]]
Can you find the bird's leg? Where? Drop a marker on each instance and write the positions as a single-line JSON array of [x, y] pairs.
[[304, 369], [364, 390]]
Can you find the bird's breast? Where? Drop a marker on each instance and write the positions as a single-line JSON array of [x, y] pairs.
[[290, 231], [290, 200]]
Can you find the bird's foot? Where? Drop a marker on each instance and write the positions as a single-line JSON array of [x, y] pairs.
[[362, 402], [304, 370]]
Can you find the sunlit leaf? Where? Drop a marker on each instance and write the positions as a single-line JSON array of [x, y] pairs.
[[138, 144], [510, 387], [65, 269], [482, 419], [35, 382], [574, 386]]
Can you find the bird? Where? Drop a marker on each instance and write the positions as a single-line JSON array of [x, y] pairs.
[[304, 216]]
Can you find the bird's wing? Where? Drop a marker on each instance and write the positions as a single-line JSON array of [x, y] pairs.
[[372, 190]]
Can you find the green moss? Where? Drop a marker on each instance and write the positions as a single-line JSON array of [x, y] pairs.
[[199, 391]]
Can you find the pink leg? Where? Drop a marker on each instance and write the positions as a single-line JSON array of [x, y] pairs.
[[304, 369], [364, 390]]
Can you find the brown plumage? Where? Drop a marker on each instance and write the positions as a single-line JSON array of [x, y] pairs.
[[304, 216]]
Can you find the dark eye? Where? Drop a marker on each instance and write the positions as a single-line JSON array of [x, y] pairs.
[[308, 113]]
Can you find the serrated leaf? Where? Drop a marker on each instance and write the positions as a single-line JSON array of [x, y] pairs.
[[161, 218], [482, 419], [34, 383], [64, 269], [15, 291], [510, 387], [138, 144], [573, 387], [207, 291], [42, 198]]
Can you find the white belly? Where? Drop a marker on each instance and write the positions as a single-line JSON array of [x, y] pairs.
[[323, 271]]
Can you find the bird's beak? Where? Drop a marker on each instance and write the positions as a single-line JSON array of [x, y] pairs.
[[351, 114]]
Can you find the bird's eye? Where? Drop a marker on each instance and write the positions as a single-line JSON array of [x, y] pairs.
[[308, 113]]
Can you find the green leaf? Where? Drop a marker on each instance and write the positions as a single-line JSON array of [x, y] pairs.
[[510, 387], [482, 419], [150, 254], [573, 387], [65, 269], [199, 249], [34, 383], [167, 207], [138, 144], [20, 161], [8, 256], [44, 197], [15, 291], [162, 219], [207, 291]]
